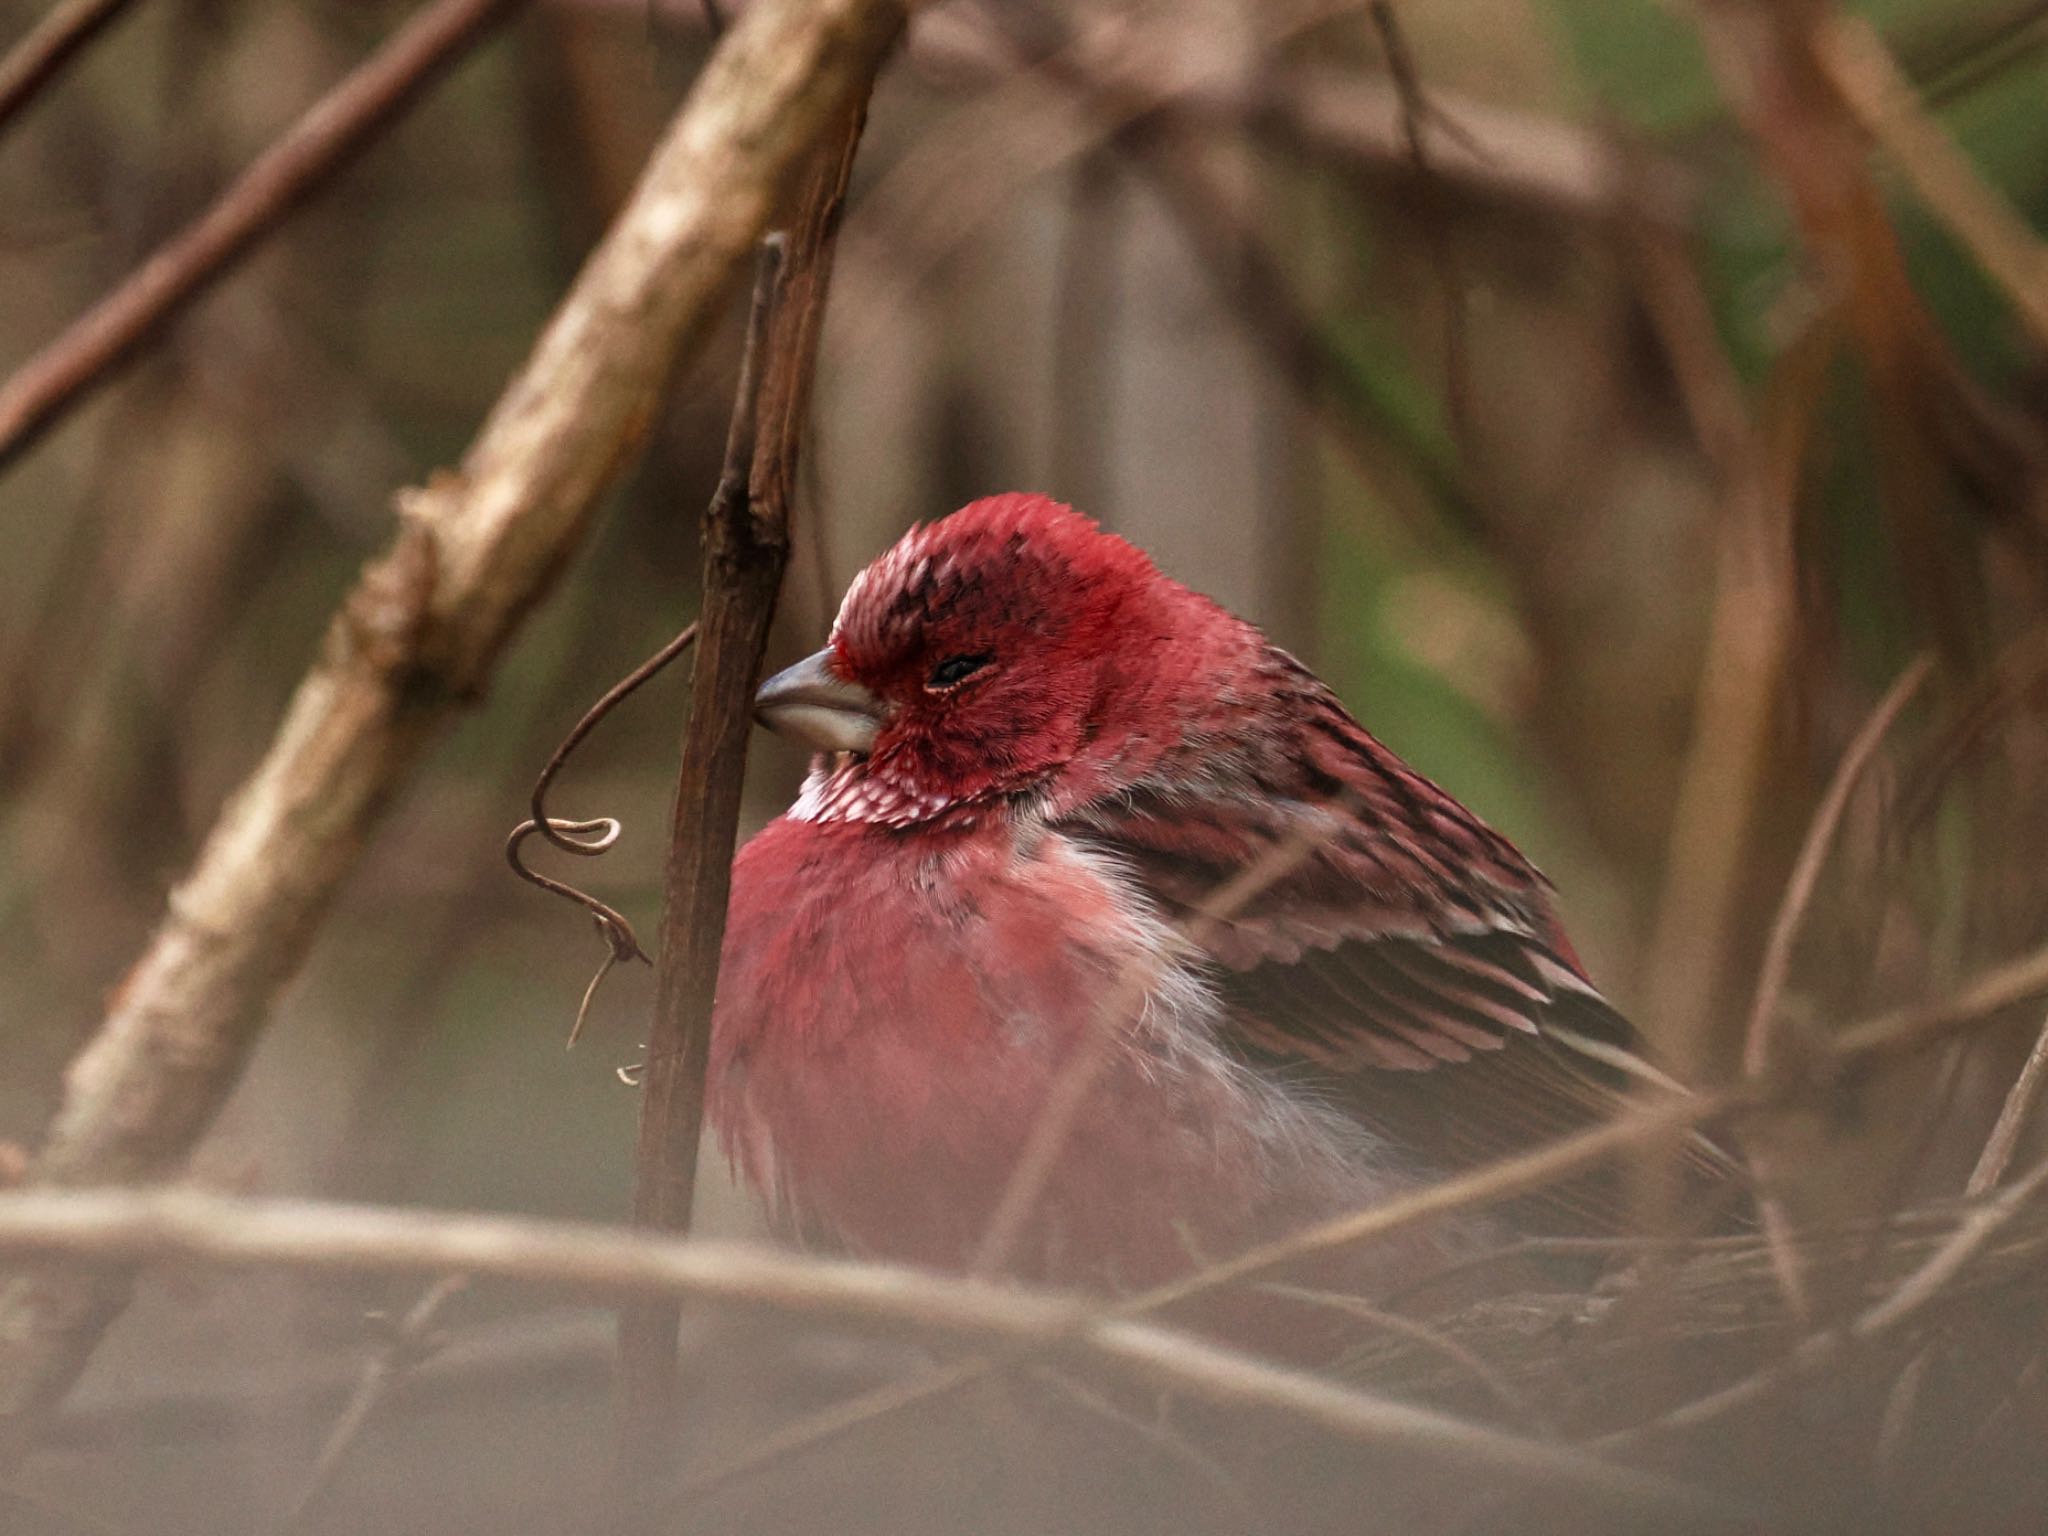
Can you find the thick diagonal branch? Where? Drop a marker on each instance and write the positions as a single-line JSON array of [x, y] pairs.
[[419, 635]]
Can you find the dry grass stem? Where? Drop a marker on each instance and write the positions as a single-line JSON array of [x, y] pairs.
[[2004, 1139], [1922, 1287], [1156, 1434], [1749, 634], [408, 1344], [1992, 1163], [1434, 1340], [1760, 1035]]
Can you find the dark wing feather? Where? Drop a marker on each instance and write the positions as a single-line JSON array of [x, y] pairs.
[[1370, 933]]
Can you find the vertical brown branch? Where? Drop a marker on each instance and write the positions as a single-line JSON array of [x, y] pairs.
[[746, 546], [1725, 780]]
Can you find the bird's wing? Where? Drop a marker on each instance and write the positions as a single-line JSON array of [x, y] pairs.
[[1368, 931]]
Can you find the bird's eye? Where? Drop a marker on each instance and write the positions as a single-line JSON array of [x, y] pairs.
[[955, 669]]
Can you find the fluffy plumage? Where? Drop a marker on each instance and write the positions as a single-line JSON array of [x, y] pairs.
[[1063, 756]]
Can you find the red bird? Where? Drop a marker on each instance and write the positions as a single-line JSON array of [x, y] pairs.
[[1041, 765]]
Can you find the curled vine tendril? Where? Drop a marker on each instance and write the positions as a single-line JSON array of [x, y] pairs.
[[591, 838]]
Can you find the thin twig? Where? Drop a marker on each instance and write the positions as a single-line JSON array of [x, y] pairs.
[[417, 639], [1133, 114], [1961, 55], [1157, 1435], [1435, 1341], [136, 1226], [1760, 1036], [1941, 423], [812, 1430], [2000, 696], [1332, 113], [2004, 1139], [408, 1345], [1761, 1046], [1992, 1163], [335, 129], [1488, 1185], [40, 56], [1255, 289], [1923, 1286]]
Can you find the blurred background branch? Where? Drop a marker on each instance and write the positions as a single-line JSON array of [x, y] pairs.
[[40, 55], [1613, 404], [413, 641], [337, 127]]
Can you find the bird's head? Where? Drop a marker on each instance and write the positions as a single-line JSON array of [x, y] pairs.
[[1011, 646]]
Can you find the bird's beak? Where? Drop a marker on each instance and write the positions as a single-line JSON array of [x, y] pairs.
[[812, 703]]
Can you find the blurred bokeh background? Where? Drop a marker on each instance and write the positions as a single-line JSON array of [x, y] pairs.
[[1573, 384]]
